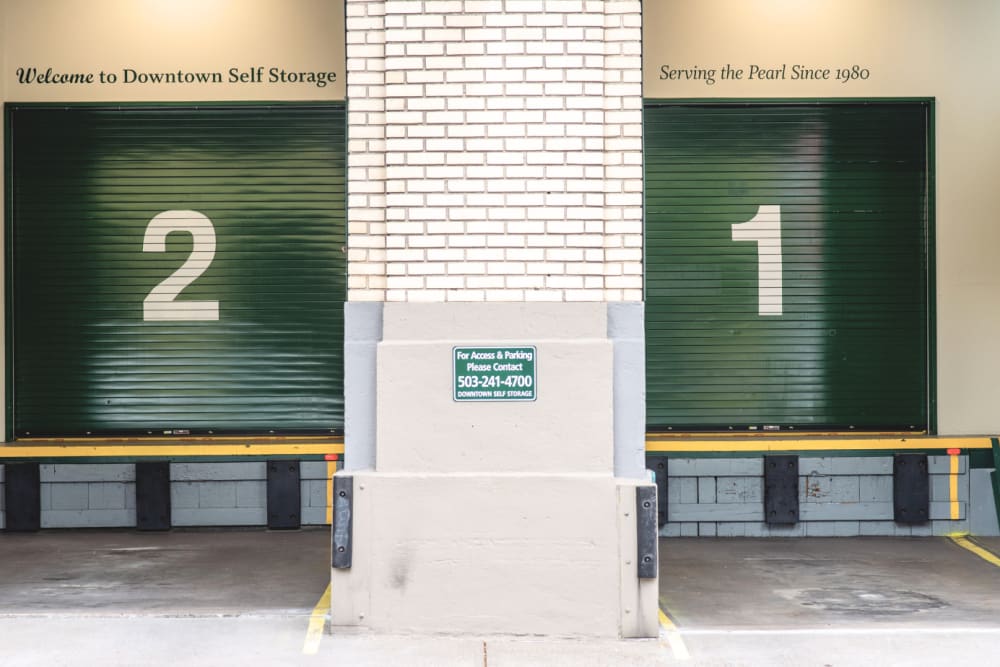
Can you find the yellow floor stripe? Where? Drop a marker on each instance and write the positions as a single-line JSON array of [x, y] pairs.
[[968, 545], [669, 632], [317, 621]]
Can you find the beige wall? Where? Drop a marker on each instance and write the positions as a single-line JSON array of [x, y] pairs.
[[912, 48], [94, 36]]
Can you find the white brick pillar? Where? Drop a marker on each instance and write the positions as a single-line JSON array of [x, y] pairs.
[[495, 150], [366, 172], [495, 198]]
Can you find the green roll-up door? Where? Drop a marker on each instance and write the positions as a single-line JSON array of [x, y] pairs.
[[176, 269], [812, 312]]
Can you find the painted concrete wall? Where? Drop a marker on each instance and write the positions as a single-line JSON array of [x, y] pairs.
[[515, 503], [911, 49], [421, 428], [838, 496], [189, 36], [102, 495], [983, 518], [496, 554]]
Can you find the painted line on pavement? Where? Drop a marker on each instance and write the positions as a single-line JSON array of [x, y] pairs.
[[669, 632], [969, 545], [317, 621]]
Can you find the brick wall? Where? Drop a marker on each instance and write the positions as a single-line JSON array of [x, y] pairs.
[[495, 150]]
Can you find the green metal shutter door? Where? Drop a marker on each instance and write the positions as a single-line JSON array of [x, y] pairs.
[[850, 347], [87, 181]]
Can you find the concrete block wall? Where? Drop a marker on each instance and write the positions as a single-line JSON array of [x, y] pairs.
[[79, 495], [314, 482], [495, 150], [838, 496], [983, 518], [90, 495], [218, 494], [235, 494]]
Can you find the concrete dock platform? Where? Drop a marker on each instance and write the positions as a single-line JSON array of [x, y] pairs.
[[182, 573], [253, 597]]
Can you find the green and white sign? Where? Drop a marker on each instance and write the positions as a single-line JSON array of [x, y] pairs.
[[494, 373]]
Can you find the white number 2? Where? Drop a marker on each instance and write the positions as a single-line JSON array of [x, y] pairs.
[[765, 229], [160, 304]]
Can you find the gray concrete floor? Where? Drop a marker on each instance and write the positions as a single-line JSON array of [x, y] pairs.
[[832, 601], [827, 582], [245, 597], [179, 573]]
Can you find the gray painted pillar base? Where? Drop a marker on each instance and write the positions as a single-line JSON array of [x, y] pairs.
[[362, 334], [495, 515], [626, 329]]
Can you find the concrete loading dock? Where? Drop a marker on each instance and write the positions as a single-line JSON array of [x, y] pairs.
[[212, 597], [516, 175]]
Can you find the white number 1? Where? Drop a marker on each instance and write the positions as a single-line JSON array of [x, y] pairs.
[[160, 305], [765, 229]]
